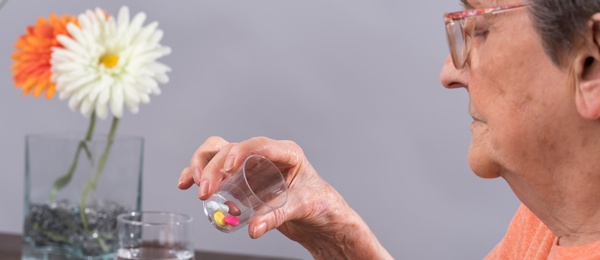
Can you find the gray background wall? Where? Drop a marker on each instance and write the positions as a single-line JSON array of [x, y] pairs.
[[355, 83]]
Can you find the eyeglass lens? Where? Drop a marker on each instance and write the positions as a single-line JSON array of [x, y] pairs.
[[459, 41]]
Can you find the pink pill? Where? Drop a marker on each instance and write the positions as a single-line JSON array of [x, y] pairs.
[[232, 220]]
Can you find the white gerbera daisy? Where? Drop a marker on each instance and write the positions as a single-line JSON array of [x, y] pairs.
[[109, 63]]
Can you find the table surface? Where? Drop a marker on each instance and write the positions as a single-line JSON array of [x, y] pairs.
[[10, 249]]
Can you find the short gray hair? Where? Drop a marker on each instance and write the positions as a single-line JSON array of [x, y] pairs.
[[560, 23]]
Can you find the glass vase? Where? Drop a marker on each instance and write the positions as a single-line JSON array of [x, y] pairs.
[[74, 191]]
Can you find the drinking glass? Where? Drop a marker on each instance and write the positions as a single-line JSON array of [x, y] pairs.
[[256, 189], [154, 235]]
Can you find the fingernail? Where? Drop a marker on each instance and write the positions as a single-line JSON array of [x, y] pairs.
[[203, 188], [229, 163], [259, 229]]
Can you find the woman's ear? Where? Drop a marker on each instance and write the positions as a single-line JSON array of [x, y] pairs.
[[586, 66]]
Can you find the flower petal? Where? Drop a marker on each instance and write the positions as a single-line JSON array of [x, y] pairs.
[[116, 100], [71, 44], [94, 86]]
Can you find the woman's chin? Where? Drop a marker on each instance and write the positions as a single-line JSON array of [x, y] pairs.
[[482, 165]]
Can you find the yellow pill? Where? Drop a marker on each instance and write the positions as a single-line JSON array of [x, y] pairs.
[[219, 218]]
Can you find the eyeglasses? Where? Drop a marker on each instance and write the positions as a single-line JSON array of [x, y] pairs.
[[460, 27]]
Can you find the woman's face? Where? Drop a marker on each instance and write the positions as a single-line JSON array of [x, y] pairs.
[[518, 98]]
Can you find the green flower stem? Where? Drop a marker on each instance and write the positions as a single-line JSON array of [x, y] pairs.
[[52, 235], [93, 182], [62, 181]]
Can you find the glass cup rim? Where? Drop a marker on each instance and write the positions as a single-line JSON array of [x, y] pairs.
[[285, 188], [183, 218]]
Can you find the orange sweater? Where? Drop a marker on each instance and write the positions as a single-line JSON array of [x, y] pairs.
[[528, 238]]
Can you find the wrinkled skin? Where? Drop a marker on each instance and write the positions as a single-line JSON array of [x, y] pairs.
[[315, 215], [535, 123]]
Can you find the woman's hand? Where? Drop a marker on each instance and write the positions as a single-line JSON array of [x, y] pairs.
[[315, 214]]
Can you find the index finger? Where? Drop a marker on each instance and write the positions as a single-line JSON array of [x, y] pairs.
[[204, 154]]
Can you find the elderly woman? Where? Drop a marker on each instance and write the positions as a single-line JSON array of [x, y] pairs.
[[532, 71]]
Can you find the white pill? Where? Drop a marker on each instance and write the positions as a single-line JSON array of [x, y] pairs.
[[216, 206]]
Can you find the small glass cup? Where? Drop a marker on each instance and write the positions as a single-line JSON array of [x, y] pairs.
[[256, 189], [154, 235]]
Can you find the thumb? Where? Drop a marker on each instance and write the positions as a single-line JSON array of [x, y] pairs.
[[259, 225]]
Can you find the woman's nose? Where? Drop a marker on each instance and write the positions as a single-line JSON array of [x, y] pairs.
[[451, 77]]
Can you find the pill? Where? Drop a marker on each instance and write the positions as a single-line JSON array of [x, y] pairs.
[[216, 206], [232, 208], [232, 220], [219, 218]]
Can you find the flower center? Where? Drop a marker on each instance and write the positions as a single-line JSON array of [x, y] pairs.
[[109, 60]]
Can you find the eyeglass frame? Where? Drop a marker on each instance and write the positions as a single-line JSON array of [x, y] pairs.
[[451, 18]]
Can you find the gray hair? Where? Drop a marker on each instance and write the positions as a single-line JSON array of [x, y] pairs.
[[560, 23]]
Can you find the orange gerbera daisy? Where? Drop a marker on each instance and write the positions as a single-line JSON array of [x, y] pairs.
[[31, 70]]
